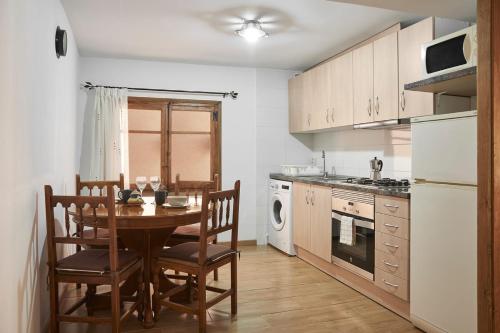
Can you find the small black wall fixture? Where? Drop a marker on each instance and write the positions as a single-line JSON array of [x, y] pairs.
[[61, 42]]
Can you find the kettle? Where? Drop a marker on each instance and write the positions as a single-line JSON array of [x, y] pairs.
[[375, 168]]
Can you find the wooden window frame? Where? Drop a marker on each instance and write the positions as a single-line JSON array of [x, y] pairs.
[[167, 106]]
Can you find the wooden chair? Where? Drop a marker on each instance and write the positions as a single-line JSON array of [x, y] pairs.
[[191, 233], [94, 186], [93, 267], [200, 258]]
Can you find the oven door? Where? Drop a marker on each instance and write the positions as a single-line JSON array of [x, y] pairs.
[[360, 257]]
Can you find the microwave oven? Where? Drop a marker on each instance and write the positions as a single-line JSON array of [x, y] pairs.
[[450, 53]]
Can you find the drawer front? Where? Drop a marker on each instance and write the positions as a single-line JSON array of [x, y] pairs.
[[392, 225], [392, 206], [392, 264], [392, 284], [355, 208], [395, 246]]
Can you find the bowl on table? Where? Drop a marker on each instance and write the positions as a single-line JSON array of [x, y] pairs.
[[177, 200]]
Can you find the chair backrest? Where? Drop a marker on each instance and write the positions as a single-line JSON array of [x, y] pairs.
[[88, 207], [222, 208], [191, 187], [98, 185]]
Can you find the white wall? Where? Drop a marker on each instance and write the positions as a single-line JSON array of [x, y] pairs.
[[275, 146], [39, 146], [238, 116], [349, 151]]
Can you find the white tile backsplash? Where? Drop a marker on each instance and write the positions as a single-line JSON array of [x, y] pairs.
[[349, 151]]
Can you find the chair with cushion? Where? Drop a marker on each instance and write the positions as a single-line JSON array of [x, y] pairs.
[[200, 258], [191, 233], [106, 265]]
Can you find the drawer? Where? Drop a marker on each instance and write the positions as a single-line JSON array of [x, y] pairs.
[[392, 206], [395, 246], [391, 264], [392, 225], [392, 284]]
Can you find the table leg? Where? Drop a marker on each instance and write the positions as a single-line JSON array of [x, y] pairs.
[[148, 311]]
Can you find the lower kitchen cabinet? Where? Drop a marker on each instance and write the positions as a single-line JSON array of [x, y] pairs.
[[392, 245], [312, 216]]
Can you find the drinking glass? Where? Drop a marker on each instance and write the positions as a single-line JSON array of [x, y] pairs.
[[141, 183], [155, 183]]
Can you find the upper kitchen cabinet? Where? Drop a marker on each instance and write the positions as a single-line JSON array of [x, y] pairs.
[[414, 103], [295, 104], [362, 61], [320, 102], [341, 91], [308, 101], [385, 77]]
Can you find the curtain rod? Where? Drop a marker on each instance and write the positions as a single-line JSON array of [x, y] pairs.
[[232, 94]]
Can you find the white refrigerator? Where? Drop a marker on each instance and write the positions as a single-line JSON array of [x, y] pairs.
[[443, 238]]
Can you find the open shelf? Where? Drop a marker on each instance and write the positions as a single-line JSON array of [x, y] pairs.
[[459, 83]]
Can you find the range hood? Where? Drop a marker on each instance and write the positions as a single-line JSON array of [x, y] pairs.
[[385, 124]]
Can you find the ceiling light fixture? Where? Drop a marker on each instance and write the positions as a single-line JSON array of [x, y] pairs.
[[251, 31]]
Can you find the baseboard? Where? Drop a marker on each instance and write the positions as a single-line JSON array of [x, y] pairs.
[[425, 325], [248, 242]]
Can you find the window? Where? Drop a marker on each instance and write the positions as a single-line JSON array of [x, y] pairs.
[[167, 137]]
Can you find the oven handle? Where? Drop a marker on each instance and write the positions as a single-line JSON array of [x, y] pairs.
[[357, 223]]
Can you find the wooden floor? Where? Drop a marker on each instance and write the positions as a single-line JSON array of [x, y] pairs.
[[277, 294]]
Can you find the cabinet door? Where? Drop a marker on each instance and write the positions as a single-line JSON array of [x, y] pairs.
[[385, 77], [301, 215], [320, 112], [295, 93], [308, 103], [413, 103], [362, 61], [342, 108], [321, 222]]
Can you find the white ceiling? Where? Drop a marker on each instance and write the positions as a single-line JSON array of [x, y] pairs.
[[302, 32]]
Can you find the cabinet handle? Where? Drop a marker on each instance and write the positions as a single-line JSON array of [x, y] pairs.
[[333, 118], [369, 107], [391, 225], [327, 119], [390, 265], [377, 106], [403, 101], [391, 206], [391, 245], [390, 284], [307, 197], [312, 198], [309, 119]]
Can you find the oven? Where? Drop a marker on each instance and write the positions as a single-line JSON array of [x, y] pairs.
[[359, 257]]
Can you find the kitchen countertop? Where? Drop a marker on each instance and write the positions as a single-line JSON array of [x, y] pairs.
[[339, 182]]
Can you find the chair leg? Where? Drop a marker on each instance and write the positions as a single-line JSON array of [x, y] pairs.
[[140, 295], [115, 306], [91, 291], [156, 291], [202, 302], [234, 286], [216, 271], [54, 304], [78, 249]]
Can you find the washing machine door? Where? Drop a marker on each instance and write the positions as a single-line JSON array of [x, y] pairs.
[[278, 212]]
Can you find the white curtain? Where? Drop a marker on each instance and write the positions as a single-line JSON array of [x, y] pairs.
[[105, 135]]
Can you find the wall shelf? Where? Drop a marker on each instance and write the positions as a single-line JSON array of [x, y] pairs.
[[459, 83]]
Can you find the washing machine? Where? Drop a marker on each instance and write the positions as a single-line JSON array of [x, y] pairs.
[[279, 227]]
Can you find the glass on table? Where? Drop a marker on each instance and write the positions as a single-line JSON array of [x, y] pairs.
[[155, 183], [141, 183]]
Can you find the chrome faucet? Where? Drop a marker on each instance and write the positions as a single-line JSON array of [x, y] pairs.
[[325, 173]]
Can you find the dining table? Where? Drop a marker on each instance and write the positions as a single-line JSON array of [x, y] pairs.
[[146, 228]]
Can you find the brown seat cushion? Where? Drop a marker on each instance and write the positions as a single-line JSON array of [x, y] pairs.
[[95, 261], [190, 251], [190, 231], [101, 233]]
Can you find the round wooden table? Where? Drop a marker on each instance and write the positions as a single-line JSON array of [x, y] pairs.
[[146, 229]]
